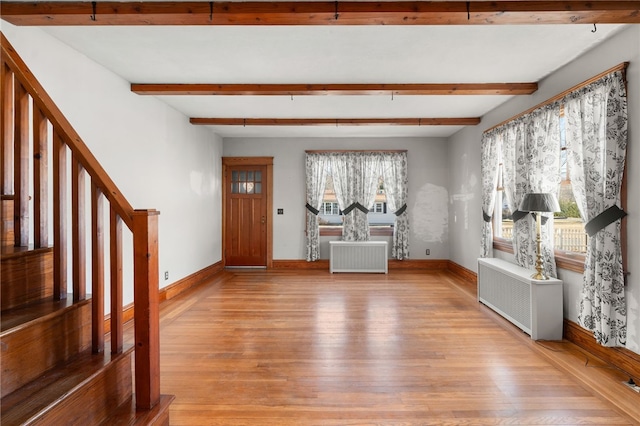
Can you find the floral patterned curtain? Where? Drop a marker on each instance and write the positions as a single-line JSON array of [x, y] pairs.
[[530, 155], [316, 178], [542, 165], [344, 176], [394, 174], [489, 169], [367, 168], [596, 144]]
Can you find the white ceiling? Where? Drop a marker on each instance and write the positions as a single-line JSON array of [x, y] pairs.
[[333, 54]]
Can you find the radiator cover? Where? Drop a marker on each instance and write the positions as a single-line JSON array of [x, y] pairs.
[[358, 256], [535, 306]]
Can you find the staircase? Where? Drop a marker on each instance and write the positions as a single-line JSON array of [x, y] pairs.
[[61, 236]]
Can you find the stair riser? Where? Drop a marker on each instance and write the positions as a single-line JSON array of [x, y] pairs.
[[26, 278], [37, 347], [92, 403]]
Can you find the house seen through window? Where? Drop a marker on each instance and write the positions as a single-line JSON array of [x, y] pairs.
[[331, 216]]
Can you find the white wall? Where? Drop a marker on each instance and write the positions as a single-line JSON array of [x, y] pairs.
[[156, 158], [464, 157], [427, 188]]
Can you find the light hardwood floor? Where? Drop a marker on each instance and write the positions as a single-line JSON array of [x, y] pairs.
[[407, 348]]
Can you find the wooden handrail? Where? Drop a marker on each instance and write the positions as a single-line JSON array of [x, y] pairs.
[[17, 85], [70, 137]]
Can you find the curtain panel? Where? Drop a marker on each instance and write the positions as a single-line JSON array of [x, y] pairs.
[[367, 172], [491, 143], [530, 157], [344, 177], [395, 176], [596, 144], [316, 179]]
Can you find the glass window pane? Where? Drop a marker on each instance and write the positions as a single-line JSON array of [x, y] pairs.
[[258, 188], [258, 176], [249, 187], [234, 176], [234, 188], [243, 176], [243, 188], [249, 176]]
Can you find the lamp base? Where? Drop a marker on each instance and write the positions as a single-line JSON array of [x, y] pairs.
[[538, 275]]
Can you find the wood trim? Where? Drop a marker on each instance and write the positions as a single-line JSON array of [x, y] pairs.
[[332, 151], [60, 239], [78, 231], [198, 277], [247, 161], [429, 264], [573, 263], [97, 268], [147, 318], [621, 358], [336, 89], [447, 121], [322, 13], [21, 165], [462, 272], [620, 67], [40, 179], [6, 128], [301, 264], [116, 284]]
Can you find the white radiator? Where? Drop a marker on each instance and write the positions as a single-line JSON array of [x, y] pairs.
[[535, 306], [358, 256]]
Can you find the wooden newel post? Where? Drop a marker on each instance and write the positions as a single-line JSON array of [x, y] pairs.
[[146, 301]]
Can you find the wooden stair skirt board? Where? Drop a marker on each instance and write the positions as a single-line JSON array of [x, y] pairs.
[[27, 276], [6, 225], [84, 391], [40, 337]]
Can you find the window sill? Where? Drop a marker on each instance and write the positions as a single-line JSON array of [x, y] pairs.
[[376, 231], [568, 261]]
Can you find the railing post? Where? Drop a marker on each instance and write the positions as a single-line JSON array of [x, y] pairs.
[[146, 301]]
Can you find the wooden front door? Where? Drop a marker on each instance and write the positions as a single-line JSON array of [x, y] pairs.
[[246, 219]]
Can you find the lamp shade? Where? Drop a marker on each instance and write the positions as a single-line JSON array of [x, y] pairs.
[[539, 202]]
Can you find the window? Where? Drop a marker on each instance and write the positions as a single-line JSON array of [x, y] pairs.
[[570, 238], [380, 222]]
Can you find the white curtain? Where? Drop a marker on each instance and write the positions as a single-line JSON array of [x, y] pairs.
[[367, 172], [344, 178], [316, 178], [596, 143], [394, 174], [531, 159], [491, 143], [543, 175]]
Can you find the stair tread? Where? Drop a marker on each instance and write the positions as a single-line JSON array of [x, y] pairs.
[[9, 252], [16, 317], [128, 415], [36, 396]]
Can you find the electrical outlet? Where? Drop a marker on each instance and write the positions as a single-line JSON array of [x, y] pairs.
[[166, 275], [428, 252]]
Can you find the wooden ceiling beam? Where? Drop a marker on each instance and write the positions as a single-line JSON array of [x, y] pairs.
[[335, 89], [322, 13], [468, 121]]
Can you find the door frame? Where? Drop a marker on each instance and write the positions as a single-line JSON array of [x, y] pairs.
[[268, 183]]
